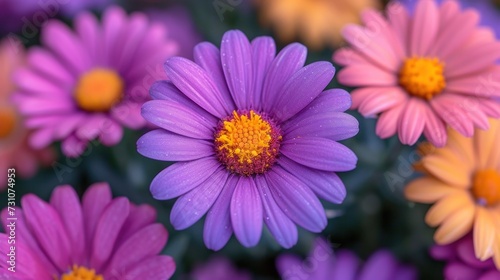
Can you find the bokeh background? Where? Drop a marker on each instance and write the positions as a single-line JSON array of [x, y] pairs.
[[375, 213]]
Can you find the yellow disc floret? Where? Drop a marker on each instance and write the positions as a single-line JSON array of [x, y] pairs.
[[8, 119], [247, 143], [98, 90], [422, 77], [486, 186], [81, 273]]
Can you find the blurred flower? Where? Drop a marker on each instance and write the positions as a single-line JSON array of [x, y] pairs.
[[14, 149], [317, 22], [101, 238], [323, 264], [419, 81], [89, 83], [256, 138], [461, 262], [14, 13], [463, 181], [180, 28], [220, 269], [489, 14]]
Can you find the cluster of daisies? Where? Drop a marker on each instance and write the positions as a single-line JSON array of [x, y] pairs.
[[254, 134]]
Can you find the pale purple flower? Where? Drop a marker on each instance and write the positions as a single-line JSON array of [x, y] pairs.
[[90, 82], [256, 140], [325, 264], [461, 262], [219, 268], [99, 236]]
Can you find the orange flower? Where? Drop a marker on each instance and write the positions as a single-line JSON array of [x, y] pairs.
[[463, 181], [316, 22], [14, 149]]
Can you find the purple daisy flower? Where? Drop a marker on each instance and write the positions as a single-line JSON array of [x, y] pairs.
[[219, 268], [256, 137], [462, 263], [88, 84], [98, 238], [323, 264]]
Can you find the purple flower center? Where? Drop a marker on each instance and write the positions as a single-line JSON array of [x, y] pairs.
[[247, 143]]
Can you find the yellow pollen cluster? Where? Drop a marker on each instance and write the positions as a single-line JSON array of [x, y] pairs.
[[244, 137], [98, 90], [81, 273], [486, 186], [8, 121], [422, 77]]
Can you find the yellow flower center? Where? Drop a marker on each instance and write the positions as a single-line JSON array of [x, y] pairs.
[[422, 77], [8, 119], [247, 143], [486, 186], [81, 273], [98, 90]]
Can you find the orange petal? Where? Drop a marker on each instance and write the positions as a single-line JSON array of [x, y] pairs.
[[455, 226], [484, 234], [447, 207], [448, 167], [486, 141], [496, 252], [464, 146], [428, 190]]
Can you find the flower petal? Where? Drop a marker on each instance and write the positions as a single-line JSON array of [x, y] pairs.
[[163, 145], [263, 53], [412, 121], [297, 201], [153, 268], [319, 153], [484, 234], [181, 177], [246, 212], [190, 207], [424, 27]]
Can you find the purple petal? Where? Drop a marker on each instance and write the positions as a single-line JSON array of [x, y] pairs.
[[246, 212], [302, 88], [236, 57], [325, 184], [179, 119], [107, 230], [332, 100], [208, 56], [164, 145], [345, 266], [332, 125], [147, 242], [288, 61], [190, 207], [263, 53], [218, 227], [94, 201], [66, 202], [111, 133], [382, 264], [297, 201], [405, 273], [455, 270], [153, 268], [48, 229], [194, 82], [181, 177], [491, 275], [319, 153], [281, 227]]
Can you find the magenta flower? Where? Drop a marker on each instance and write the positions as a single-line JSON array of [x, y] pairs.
[[99, 238], [88, 84], [219, 268], [422, 72], [324, 264], [462, 263], [256, 137]]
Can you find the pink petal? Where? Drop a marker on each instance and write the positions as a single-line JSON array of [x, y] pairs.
[[153, 268], [94, 201], [382, 99], [372, 76], [412, 121], [424, 27]]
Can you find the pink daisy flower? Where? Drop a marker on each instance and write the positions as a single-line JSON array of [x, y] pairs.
[[14, 149], [422, 72], [99, 238], [89, 83]]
